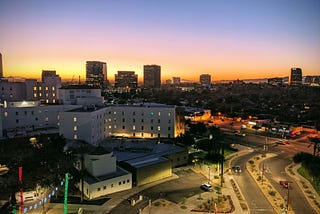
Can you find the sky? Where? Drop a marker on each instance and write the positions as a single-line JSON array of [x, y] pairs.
[[229, 39]]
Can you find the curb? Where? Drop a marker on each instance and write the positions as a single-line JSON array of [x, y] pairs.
[[312, 199]]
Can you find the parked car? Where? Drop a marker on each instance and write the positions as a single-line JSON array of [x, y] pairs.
[[282, 142], [206, 187], [236, 169]]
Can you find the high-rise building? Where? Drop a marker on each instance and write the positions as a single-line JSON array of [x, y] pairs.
[[1, 66], [96, 73], [152, 76], [296, 76], [126, 79], [205, 79]]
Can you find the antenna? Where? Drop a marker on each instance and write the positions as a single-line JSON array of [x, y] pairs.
[[79, 80]]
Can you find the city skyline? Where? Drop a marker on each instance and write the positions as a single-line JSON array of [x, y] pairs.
[[228, 40]]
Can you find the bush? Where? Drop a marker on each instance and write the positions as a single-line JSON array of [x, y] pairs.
[[302, 157]]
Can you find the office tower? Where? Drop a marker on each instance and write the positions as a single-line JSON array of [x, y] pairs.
[[126, 79], [296, 76], [205, 79], [96, 73], [1, 67], [152, 76]]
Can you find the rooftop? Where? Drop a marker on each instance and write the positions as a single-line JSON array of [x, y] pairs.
[[95, 179]]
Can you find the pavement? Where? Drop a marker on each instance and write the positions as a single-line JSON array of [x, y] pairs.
[[162, 206]]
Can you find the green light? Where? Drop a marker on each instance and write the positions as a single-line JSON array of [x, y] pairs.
[[14, 211], [65, 207]]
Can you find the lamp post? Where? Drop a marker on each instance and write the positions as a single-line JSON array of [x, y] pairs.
[[209, 174]]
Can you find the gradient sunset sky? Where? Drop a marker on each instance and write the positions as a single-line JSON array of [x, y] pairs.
[[229, 39]]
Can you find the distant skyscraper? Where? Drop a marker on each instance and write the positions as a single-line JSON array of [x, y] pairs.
[[205, 79], [1, 67], [296, 76], [96, 73], [126, 79], [152, 76]]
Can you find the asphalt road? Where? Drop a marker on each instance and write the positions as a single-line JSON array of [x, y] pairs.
[[256, 200], [275, 173]]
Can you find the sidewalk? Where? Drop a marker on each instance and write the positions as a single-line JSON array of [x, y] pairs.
[[310, 193], [240, 206]]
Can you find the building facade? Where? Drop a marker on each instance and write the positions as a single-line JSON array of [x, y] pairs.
[[126, 79], [103, 177], [80, 94], [28, 117], [96, 74], [134, 121], [205, 79], [45, 92], [296, 76], [152, 76]]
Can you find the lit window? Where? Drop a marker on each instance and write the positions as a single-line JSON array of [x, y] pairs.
[[47, 101], [53, 101], [39, 87], [158, 128], [110, 127], [53, 94], [75, 136], [6, 114], [34, 88], [35, 95], [133, 127], [114, 112], [40, 94], [152, 113], [75, 128], [159, 113], [47, 119], [169, 114], [47, 88], [53, 88], [74, 119], [47, 95]]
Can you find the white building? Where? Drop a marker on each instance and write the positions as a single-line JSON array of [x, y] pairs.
[[19, 118], [45, 91], [81, 94], [104, 177], [147, 120]]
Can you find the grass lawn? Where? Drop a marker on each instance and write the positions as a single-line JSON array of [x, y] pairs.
[[303, 172]]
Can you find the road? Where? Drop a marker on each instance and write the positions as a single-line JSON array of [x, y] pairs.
[[275, 173], [256, 200]]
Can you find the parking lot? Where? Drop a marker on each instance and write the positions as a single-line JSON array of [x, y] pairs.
[[187, 185]]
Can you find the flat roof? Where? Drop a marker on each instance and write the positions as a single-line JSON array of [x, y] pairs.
[[95, 179], [88, 109], [146, 161]]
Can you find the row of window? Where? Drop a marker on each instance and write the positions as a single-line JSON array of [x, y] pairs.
[[142, 113], [35, 95], [111, 185], [40, 88]]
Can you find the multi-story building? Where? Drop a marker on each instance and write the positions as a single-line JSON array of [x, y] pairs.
[[104, 176], [24, 117], [81, 94], [312, 80], [176, 80], [32, 90], [126, 80], [296, 76], [275, 81], [136, 121], [152, 76], [205, 79], [1, 66], [96, 73]]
